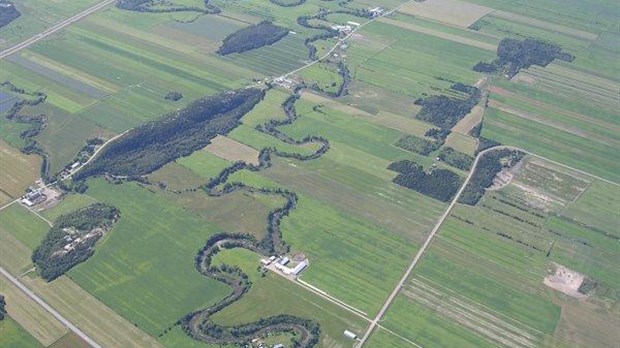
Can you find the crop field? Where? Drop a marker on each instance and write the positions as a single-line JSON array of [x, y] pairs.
[[455, 12], [70, 340], [403, 69], [13, 335], [40, 324], [38, 15], [491, 277], [23, 225], [17, 172], [482, 281], [148, 261]]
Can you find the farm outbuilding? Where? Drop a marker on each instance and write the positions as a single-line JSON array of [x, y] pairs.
[[349, 334]]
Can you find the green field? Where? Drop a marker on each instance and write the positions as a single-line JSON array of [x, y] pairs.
[[15, 336], [148, 261], [23, 225]]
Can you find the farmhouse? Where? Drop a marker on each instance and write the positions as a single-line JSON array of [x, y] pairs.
[[376, 12], [342, 29], [284, 260], [33, 197]]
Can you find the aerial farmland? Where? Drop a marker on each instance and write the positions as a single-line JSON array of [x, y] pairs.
[[309, 173]]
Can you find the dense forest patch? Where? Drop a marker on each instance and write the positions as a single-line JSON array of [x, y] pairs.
[[8, 12], [174, 96], [160, 6], [72, 239], [455, 158], [444, 111], [152, 145], [486, 170], [255, 36], [440, 184], [514, 55]]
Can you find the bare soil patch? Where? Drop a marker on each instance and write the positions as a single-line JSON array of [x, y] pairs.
[[232, 150], [503, 178], [456, 12], [565, 280], [471, 120]]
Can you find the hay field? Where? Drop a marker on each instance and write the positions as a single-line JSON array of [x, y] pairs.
[[232, 150], [455, 12], [17, 172]]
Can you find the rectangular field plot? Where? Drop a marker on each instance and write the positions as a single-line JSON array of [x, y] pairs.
[[454, 12], [39, 324], [17, 171], [405, 69], [232, 150], [14, 335]]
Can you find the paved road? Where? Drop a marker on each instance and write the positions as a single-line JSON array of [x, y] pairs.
[[20, 46], [48, 308], [430, 237]]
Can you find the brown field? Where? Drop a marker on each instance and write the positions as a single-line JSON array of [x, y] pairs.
[[470, 120], [232, 150], [70, 340], [455, 12], [440, 34], [544, 25], [17, 171], [93, 317], [32, 317], [462, 143]]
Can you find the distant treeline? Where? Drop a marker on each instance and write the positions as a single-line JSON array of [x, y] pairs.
[[8, 13], [441, 184], [2, 307], [486, 170], [255, 36], [165, 6], [444, 111], [152, 145], [514, 55], [285, 3], [52, 259]]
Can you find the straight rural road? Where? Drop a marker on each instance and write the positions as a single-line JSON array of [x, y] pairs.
[[48, 308], [428, 241], [20, 46]]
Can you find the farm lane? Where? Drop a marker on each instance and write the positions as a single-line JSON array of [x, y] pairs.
[[20, 46], [48, 308]]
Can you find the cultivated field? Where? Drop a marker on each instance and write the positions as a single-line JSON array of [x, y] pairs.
[[17, 172], [232, 150], [455, 12]]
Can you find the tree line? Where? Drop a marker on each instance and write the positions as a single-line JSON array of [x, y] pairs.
[[487, 168], [152, 145], [50, 257], [441, 184], [149, 6], [8, 12], [514, 55], [255, 36], [443, 111]]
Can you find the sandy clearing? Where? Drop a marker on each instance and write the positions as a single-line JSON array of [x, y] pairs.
[[545, 25], [456, 12], [232, 150], [565, 280], [440, 34]]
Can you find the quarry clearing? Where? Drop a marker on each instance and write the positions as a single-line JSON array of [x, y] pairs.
[[565, 280]]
